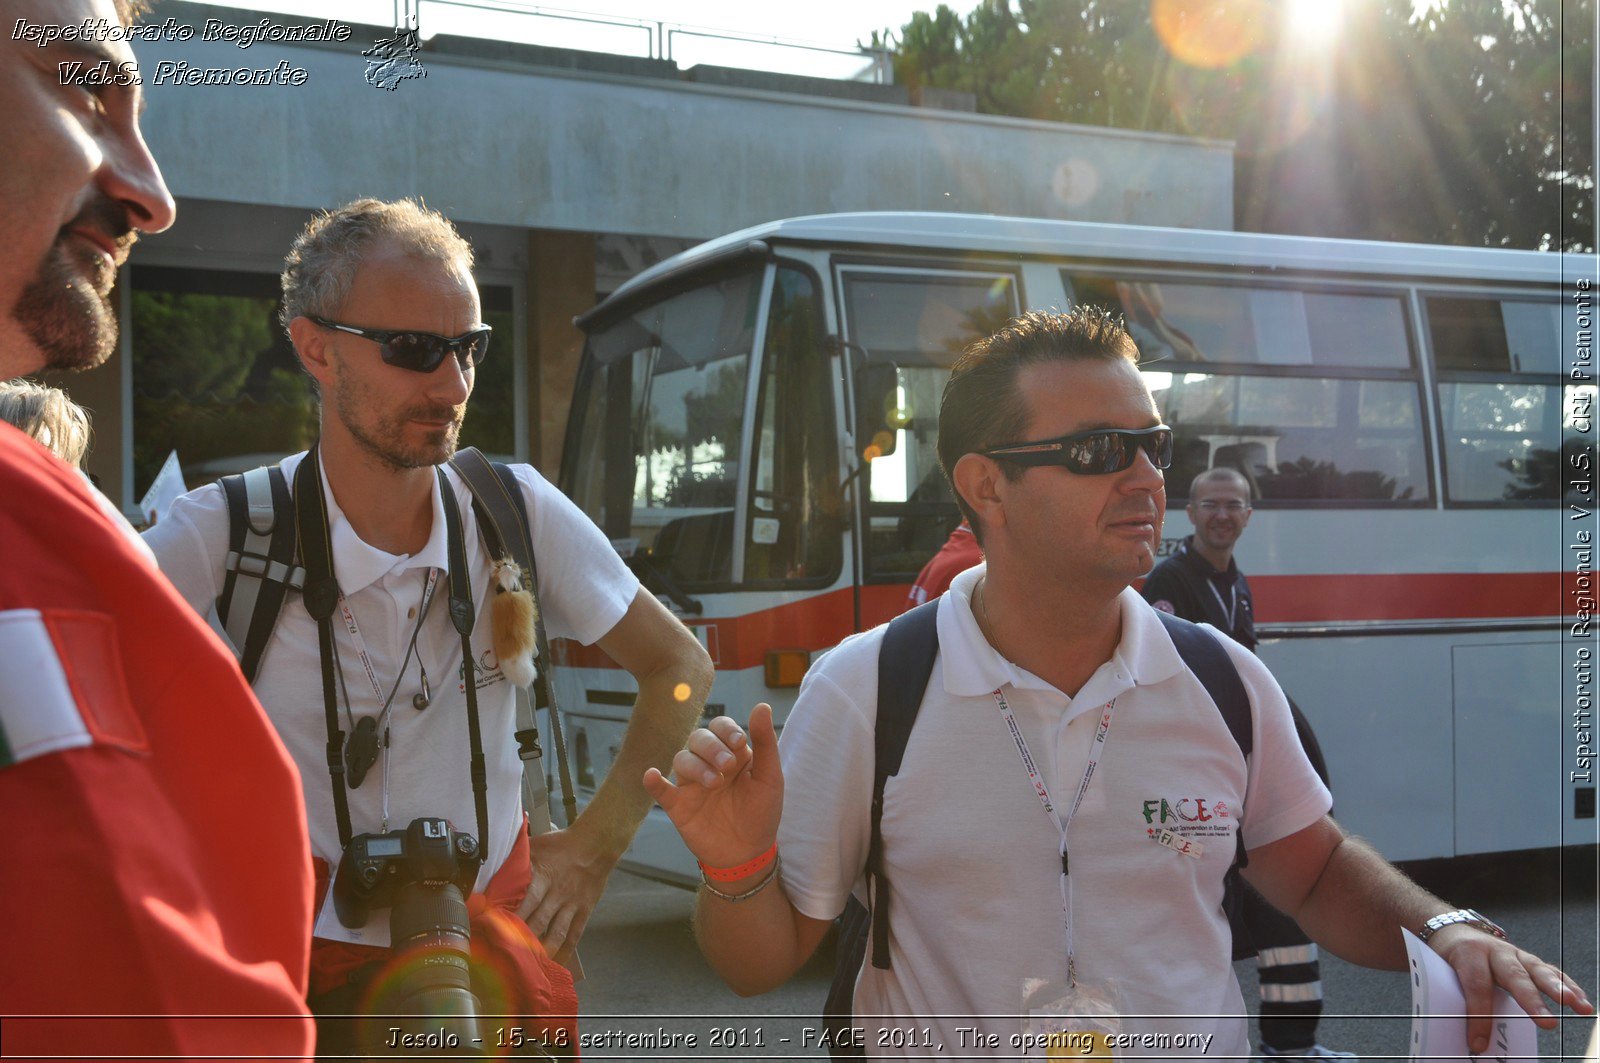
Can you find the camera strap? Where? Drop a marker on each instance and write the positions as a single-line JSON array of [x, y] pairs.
[[463, 616], [321, 597]]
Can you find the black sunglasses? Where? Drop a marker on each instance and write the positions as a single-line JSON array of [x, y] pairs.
[[421, 352], [1103, 450]]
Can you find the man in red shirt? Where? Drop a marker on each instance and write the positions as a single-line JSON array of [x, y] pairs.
[[959, 553], [155, 864]]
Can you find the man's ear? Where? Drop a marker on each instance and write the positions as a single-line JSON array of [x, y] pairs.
[[977, 480], [311, 345]]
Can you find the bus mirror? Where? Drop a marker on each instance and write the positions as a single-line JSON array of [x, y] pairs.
[[878, 415]]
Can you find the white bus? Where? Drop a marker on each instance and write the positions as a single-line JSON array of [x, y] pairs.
[[754, 427]]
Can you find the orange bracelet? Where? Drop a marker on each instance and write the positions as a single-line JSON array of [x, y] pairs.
[[734, 874]]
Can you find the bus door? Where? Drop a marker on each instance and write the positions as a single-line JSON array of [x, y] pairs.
[[904, 328], [704, 444]]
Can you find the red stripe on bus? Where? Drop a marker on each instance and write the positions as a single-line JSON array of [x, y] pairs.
[[1411, 596], [822, 621]]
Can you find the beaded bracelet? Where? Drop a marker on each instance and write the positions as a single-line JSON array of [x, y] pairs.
[[744, 870], [771, 877]]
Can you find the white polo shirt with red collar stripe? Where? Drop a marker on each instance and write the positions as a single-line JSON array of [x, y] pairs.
[[972, 856], [584, 590]]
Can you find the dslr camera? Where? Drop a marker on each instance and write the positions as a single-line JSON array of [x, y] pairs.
[[423, 874]]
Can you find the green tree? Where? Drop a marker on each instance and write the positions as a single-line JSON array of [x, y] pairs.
[[1468, 124]]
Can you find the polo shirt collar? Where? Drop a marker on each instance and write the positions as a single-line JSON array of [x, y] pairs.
[[970, 667], [357, 565]]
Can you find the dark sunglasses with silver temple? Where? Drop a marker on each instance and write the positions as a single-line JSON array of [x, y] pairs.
[[1092, 453], [420, 352]]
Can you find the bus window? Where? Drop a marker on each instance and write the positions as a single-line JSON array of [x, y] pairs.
[[1499, 441], [1500, 398], [918, 322], [795, 521], [1311, 394], [1231, 323], [657, 463], [1296, 438], [1496, 336]]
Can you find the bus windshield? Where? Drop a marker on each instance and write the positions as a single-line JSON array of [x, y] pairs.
[[661, 426]]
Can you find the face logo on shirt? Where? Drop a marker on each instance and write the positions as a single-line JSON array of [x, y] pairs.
[[488, 669], [1161, 810]]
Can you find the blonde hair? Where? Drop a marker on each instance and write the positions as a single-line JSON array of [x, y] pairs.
[[46, 414]]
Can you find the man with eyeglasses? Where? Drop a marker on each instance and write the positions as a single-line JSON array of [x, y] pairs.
[[1055, 840], [1202, 583], [372, 697]]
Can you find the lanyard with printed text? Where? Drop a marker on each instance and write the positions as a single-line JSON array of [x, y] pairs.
[[1228, 610], [1043, 792], [381, 721], [361, 645]]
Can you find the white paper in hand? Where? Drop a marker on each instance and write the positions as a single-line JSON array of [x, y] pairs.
[[1439, 1014]]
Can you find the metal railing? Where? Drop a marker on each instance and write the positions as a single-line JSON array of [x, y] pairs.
[[659, 37]]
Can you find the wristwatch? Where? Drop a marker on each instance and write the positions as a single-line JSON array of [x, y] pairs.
[[1461, 915]]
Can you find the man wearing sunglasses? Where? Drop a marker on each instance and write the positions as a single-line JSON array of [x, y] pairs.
[[381, 306], [1201, 582], [1056, 837]]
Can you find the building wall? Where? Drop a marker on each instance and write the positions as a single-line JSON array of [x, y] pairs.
[[504, 143]]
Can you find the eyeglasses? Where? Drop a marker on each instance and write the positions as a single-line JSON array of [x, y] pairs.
[[420, 352], [1233, 506], [1103, 450]]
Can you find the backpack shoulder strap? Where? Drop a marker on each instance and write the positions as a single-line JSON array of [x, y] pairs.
[[503, 522], [498, 502], [262, 563], [1206, 657], [905, 664], [1208, 660]]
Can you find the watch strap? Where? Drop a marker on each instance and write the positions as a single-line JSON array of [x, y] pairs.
[[1461, 916]]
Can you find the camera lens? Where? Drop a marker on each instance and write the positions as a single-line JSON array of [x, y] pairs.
[[429, 933]]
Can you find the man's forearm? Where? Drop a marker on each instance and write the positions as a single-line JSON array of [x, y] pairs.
[[661, 721], [755, 945], [1358, 903]]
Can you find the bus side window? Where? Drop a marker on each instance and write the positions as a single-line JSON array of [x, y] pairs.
[[1500, 397]]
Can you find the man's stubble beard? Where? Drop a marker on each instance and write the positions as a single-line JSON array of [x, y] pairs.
[[385, 442], [72, 324]]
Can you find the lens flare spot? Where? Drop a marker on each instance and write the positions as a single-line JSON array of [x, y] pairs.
[[1075, 182], [681, 692], [1209, 34]]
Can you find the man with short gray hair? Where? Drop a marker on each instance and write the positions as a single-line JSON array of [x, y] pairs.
[[383, 311]]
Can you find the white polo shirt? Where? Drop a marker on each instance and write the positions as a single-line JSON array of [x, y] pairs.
[[584, 590], [972, 856]]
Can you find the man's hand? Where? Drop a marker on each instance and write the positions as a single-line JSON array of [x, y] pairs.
[[1482, 961], [569, 874], [729, 794]]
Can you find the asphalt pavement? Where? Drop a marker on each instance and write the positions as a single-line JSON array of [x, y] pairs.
[[648, 990]]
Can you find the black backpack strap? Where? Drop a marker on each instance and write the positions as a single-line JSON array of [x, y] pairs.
[[1205, 656], [503, 521], [1208, 660], [905, 664], [261, 567]]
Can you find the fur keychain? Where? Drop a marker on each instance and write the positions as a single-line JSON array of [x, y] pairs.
[[513, 619]]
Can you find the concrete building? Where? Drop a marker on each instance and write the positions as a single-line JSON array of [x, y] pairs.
[[568, 170]]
